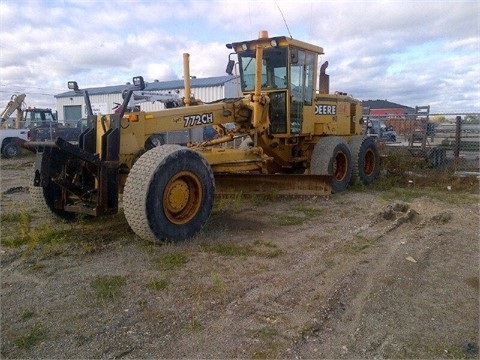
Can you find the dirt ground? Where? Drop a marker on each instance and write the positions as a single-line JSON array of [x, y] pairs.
[[360, 274]]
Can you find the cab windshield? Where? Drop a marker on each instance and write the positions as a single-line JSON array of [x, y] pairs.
[[274, 69]]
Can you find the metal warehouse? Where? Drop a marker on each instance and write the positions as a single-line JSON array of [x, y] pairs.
[[71, 106]]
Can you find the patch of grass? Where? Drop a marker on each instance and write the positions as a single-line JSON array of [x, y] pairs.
[[318, 238], [357, 245], [271, 341], [53, 239], [310, 212], [27, 315], [195, 325], [266, 333], [406, 194], [56, 238], [400, 170], [171, 261], [21, 232], [142, 303], [437, 351], [30, 339], [227, 249], [219, 285], [267, 249], [257, 249], [158, 284], [14, 217], [108, 287], [233, 203], [290, 220]]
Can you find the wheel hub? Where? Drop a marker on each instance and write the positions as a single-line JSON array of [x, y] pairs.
[[340, 166], [182, 197], [177, 196], [370, 162]]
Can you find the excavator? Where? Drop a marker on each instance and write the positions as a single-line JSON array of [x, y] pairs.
[[15, 104], [299, 139]]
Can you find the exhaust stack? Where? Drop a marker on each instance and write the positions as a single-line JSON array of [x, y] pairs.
[[324, 79]]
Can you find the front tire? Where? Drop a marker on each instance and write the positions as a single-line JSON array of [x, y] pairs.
[[332, 156], [169, 194]]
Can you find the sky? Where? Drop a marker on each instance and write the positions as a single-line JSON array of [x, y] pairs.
[[407, 52]]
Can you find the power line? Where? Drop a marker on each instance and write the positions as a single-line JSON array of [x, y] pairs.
[[30, 87], [28, 92]]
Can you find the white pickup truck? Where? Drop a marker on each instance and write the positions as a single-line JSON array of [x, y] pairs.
[[8, 139]]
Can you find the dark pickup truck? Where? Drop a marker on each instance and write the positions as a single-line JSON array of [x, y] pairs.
[[52, 130], [44, 126]]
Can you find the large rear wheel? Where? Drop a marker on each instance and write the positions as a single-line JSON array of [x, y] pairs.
[[331, 156], [365, 159], [169, 194]]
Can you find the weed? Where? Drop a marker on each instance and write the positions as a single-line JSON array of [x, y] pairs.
[[318, 238], [171, 261], [195, 324], [142, 303], [402, 171], [309, 212], [264, 243], [108, 287], [271, 345], [158, 284], [227, 249], [12, 217], [31, 339], [271, 251], [273, 194], [45, 235], [358, 245], [20, 237], [27, 315], [244, 250], [265, 333], [219, 286], [290, 220]]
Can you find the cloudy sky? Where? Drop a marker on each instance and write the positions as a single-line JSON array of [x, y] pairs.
[[408, 52]]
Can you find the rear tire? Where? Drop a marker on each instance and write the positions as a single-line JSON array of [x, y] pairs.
[[365, 159], [332, 156], [169, 194]]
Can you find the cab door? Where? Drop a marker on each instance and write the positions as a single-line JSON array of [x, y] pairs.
[[301, 86]]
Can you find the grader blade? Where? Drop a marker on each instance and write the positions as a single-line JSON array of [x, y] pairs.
[[258, 184]]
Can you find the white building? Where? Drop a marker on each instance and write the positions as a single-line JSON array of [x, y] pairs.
[[71, 105]]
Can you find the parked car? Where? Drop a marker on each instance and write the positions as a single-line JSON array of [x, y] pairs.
[[377, 127]]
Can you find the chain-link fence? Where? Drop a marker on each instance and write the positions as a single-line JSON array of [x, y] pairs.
[[451, 140]]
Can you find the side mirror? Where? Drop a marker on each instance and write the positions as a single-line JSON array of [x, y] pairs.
[[230, 66]]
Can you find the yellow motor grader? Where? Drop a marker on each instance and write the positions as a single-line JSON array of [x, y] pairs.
[[299, 138]]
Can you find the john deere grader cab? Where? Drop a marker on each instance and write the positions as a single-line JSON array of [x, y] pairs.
[[299, 137]]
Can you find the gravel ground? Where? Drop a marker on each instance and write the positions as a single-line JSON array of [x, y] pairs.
[[353, 275]]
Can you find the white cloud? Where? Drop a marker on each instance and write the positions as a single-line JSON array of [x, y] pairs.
[[409, 52]]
